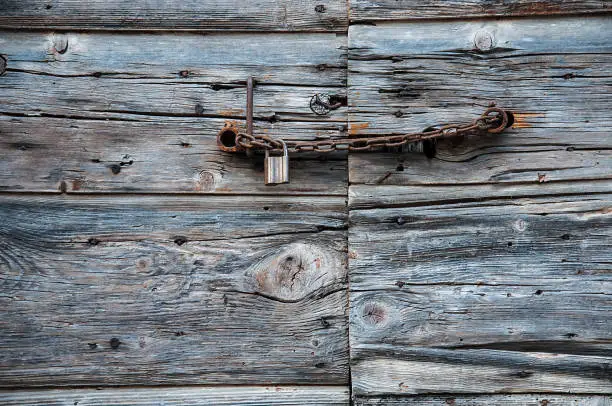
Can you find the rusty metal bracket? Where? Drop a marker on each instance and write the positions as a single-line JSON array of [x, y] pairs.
[[228, 136]]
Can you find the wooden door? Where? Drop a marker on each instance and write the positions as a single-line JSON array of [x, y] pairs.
[[139, 263]]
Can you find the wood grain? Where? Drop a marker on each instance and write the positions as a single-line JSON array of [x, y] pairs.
[[166, 155], [485, 269], [210, 15], [487, 400], [140, 112], [384, 196], [552, 73], [192, 396], [394, 369], [452, 288], [386, 10], [204, 60], [147, 290]]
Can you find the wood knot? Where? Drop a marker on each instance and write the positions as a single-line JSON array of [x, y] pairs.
[[296, 272], [375, 314], [60, 44], [520, 225], [483, 41], [204, 181]]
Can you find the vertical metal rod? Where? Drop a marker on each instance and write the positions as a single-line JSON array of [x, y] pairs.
[[249, 111], [249, 106]]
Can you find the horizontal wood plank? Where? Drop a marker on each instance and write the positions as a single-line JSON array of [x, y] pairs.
[[222, 59], [551, 73], [494, 296], [169, 155], [411, 370], [193, 396], [140, 112], [147, 290], [209, 15], [385, 10], [380, 196], [488, 243], [487, 400]]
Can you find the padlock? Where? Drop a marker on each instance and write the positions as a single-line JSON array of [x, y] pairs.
[[276, 168]]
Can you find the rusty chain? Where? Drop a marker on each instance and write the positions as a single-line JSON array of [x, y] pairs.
[[494, 120]]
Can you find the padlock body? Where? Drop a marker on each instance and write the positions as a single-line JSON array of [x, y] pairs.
[[276, 169]]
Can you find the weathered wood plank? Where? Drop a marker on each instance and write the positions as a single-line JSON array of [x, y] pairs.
[[211, 15], [113, 113], [193, 396], [488, 296], [488, 400], [483, 243], [572, 317], [223, 59], [385, 10], [90, 97], [117, 290], [378, 196], [105, 75], [412, 370], [164, 155], [554, 74]]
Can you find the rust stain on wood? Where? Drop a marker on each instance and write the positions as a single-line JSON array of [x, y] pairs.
[[232, 112], [356, 128], [521, 120]]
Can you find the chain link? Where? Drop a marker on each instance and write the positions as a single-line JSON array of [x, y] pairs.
[[494, 120]]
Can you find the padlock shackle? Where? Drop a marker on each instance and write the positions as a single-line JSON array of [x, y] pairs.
[[285, 150]]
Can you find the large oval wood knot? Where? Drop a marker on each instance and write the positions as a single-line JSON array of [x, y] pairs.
[[375, 314], [296, 272]]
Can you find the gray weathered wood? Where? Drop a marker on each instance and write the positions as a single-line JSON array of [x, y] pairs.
[[553, 73], [172, 290], [110, 98], [315, 59], [382, 369], [488, 400], [208, 15], [378, 196], [164, 155], [488, 243], [74, 120], [481, 296], [193, 396], [487, 268], [385, 10]]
